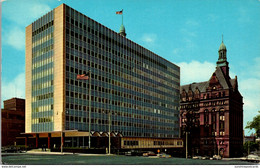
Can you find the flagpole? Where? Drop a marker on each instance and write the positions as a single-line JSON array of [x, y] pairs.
[[89, 111], [122, 17]]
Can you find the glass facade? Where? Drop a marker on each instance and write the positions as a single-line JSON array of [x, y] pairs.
[[137, 88], [42, 74]]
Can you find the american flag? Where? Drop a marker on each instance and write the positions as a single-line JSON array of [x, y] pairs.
[[83, 77], [119, 12]]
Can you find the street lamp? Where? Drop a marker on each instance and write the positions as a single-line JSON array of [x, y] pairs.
[[109, 124]]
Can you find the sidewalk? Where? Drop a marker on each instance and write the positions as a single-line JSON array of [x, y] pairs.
[[39, 151]]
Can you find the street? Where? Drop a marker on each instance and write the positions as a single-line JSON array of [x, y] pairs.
[[77, 159]]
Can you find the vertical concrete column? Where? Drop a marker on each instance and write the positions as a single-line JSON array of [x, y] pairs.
[[63, 137], [49, 141], [26, 141], [37, 141]]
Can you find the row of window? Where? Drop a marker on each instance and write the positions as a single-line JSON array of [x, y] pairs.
[[42, 50], [155, 143], [42, 108], [214, 103], [131, 143], [44, 27], [43, 85], [145, 90], [123, 105], [134, 125], [162, 118], [116, 94], [191, 97], [100, 35], [44, 39], [163, 80]]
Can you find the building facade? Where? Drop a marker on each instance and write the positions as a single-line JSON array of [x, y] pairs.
[[130, 87], [211, 113], [13, 120]]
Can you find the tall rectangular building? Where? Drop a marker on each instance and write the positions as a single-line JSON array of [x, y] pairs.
[[137, 88]]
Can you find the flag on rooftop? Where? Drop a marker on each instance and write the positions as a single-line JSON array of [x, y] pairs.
[[119, 12]]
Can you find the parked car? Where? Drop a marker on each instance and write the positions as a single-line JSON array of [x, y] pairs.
[[205, 157], [253, 158], [216, 157], [196, 157], [133, 153], [149, 153], [164, 155]]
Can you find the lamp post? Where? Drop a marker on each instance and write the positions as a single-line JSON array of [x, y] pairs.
[[109, 138], [89, 113]]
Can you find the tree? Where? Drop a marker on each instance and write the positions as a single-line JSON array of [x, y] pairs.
[[253, 146], [255, 124]]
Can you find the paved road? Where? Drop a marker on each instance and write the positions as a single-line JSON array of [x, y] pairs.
[[77, 159]]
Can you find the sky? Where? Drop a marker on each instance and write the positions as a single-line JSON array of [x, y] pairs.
[[186, 32]]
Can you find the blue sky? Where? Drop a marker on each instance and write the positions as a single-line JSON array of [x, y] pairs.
[[186, 32]]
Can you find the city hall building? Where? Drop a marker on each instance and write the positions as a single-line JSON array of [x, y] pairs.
[[126, 86], [211, 113]]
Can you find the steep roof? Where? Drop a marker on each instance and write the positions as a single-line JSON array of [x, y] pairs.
[[202, 86]]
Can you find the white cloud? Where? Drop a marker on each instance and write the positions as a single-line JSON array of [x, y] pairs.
[[15, 11], [15, 37], [177, 51], [195, 71], [191, 23], [243, 15], [212, 17], [19, 17], [14, 88], [188, 33], [249, 88], [149, 38]]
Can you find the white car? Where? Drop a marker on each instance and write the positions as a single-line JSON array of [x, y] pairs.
[[216, 157], [253, 158]]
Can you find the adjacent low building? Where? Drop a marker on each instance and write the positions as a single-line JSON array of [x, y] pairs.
[[13, 120], [211, 113]]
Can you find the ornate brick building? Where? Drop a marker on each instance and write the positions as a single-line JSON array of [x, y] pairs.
[[211, 113]]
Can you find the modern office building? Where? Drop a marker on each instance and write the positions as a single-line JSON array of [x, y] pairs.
[[130, 87], [13, 120], [212, 113]]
